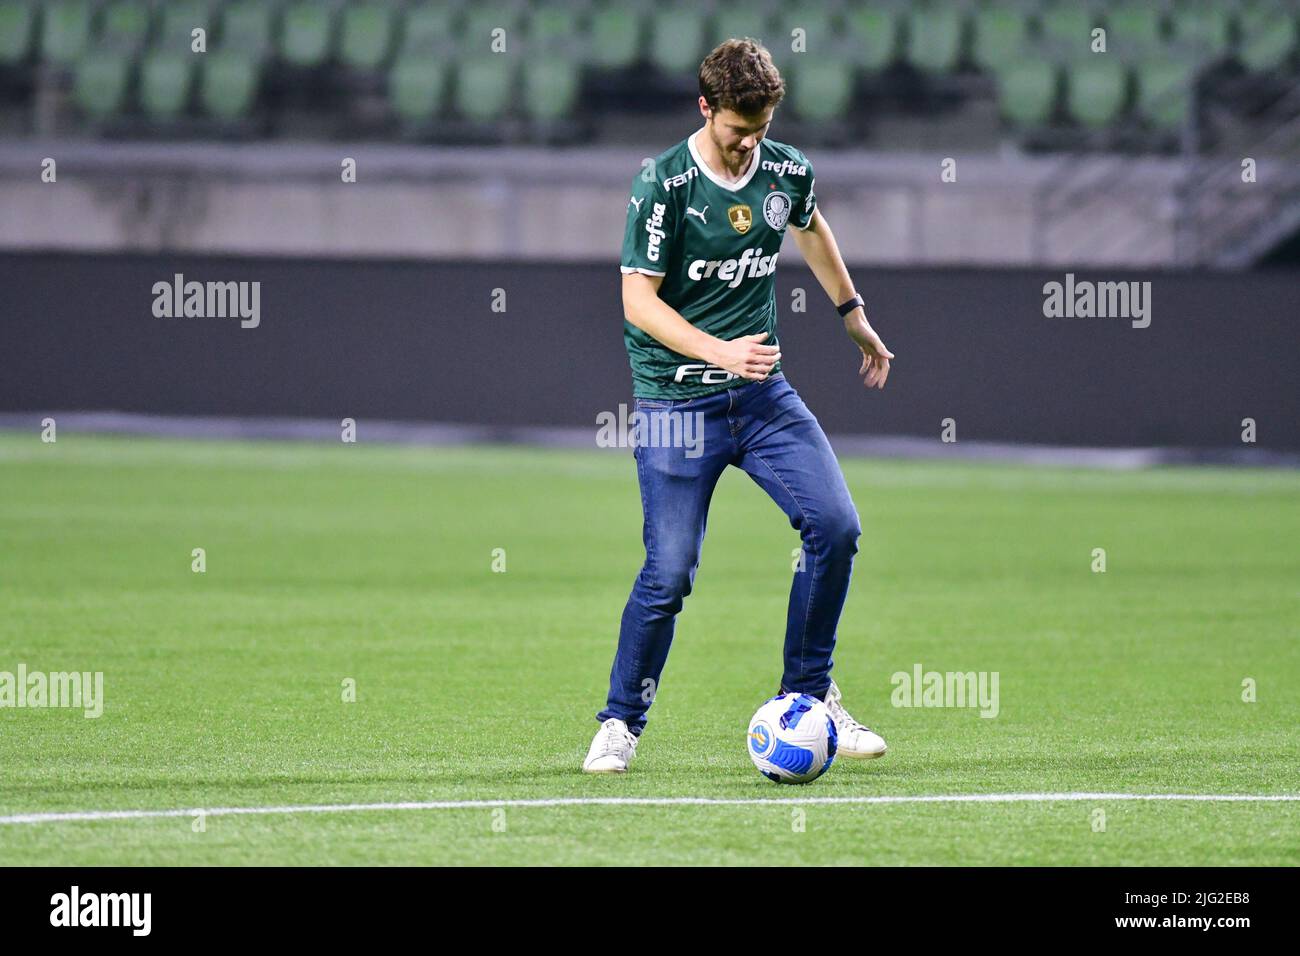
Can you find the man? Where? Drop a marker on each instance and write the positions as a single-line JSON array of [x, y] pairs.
[[704, 229]]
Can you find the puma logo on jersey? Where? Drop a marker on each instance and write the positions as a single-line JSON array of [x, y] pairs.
[[636, 203], [698, 212], [751, 264]]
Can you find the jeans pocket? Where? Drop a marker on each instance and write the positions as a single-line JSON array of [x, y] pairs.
[[655, 403]]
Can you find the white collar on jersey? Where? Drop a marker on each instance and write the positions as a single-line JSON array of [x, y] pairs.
[[740, 183]]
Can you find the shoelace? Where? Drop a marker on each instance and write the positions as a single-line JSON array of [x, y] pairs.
[[842, 717], [610, 739]]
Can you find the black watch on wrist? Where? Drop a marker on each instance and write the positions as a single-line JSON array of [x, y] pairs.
[[853, 303]]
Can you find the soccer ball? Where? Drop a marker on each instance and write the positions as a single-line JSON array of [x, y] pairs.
[[792, 739]]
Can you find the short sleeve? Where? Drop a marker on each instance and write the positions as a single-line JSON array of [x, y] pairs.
[[647, 238], [804, 210]]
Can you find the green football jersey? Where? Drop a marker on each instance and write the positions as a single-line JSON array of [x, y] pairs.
[[716, 244]]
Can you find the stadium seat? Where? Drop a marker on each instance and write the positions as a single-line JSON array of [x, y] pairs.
[[1066, 29], [1027, 90], [821, 88], [247, 27], [484, 86], [66, 31], [550, 88], [306, 31], [553, 30], [741, 18], [17, 26], [677, 39], [935, 38], [1096, 90], [873, 36], [124, 25], [1134, 30], [177, 21], [998, 36], [165, 80], [417, 86], [228, 84], [819, 34], [1268, 35], [1200, 31], [427, 29], [1164, 91], [477, 33], [615, 37], [366, 35], [100, 86]]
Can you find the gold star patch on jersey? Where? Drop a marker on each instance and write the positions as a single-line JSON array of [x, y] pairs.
[[741, 218]]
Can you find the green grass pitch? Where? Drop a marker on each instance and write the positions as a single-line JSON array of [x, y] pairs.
[[374, 563]]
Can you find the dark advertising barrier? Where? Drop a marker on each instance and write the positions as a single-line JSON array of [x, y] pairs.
[[426, 341]]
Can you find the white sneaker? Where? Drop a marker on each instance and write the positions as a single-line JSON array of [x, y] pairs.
[[612, 749], [856, 740]]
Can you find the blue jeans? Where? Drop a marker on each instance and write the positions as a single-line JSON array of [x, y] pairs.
[[765, 429]]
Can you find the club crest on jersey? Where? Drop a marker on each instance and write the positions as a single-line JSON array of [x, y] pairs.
[[776, 209], [741, 217]]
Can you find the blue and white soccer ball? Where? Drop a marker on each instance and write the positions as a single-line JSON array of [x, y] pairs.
[[792, 739]]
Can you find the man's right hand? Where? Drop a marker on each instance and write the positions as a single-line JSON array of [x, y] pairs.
[[746, 357]]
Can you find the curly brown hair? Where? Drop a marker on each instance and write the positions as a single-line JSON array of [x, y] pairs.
[[739, 75]]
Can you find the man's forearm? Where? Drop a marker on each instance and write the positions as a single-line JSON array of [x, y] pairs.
[[665, 324], [818, 248]]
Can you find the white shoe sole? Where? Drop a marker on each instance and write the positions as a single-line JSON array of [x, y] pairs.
[[599, 768], [856, 755]]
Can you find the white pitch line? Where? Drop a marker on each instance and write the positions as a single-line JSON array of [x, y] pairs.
[[92, 815]]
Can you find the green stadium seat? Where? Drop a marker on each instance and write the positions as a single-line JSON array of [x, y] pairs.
[[1201, 30], [1164, 95], [476, 35], [17, 27], [550, 88], [615, 37], [1066, 29], [124, 25], [873, 36], [821, 89], [100, 86], [819, 34], [1027, 90], [428, 28], [165, 80], [306, 31], [998, 36], [1134, 30], [247, 27], [417, 87], [65, 34], [228, 84], [935, 44], [677, 39], [1267, 36], [1096, 90], [366, 35], [177, 21], [551, 29], [484, 86], [741, 19]]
